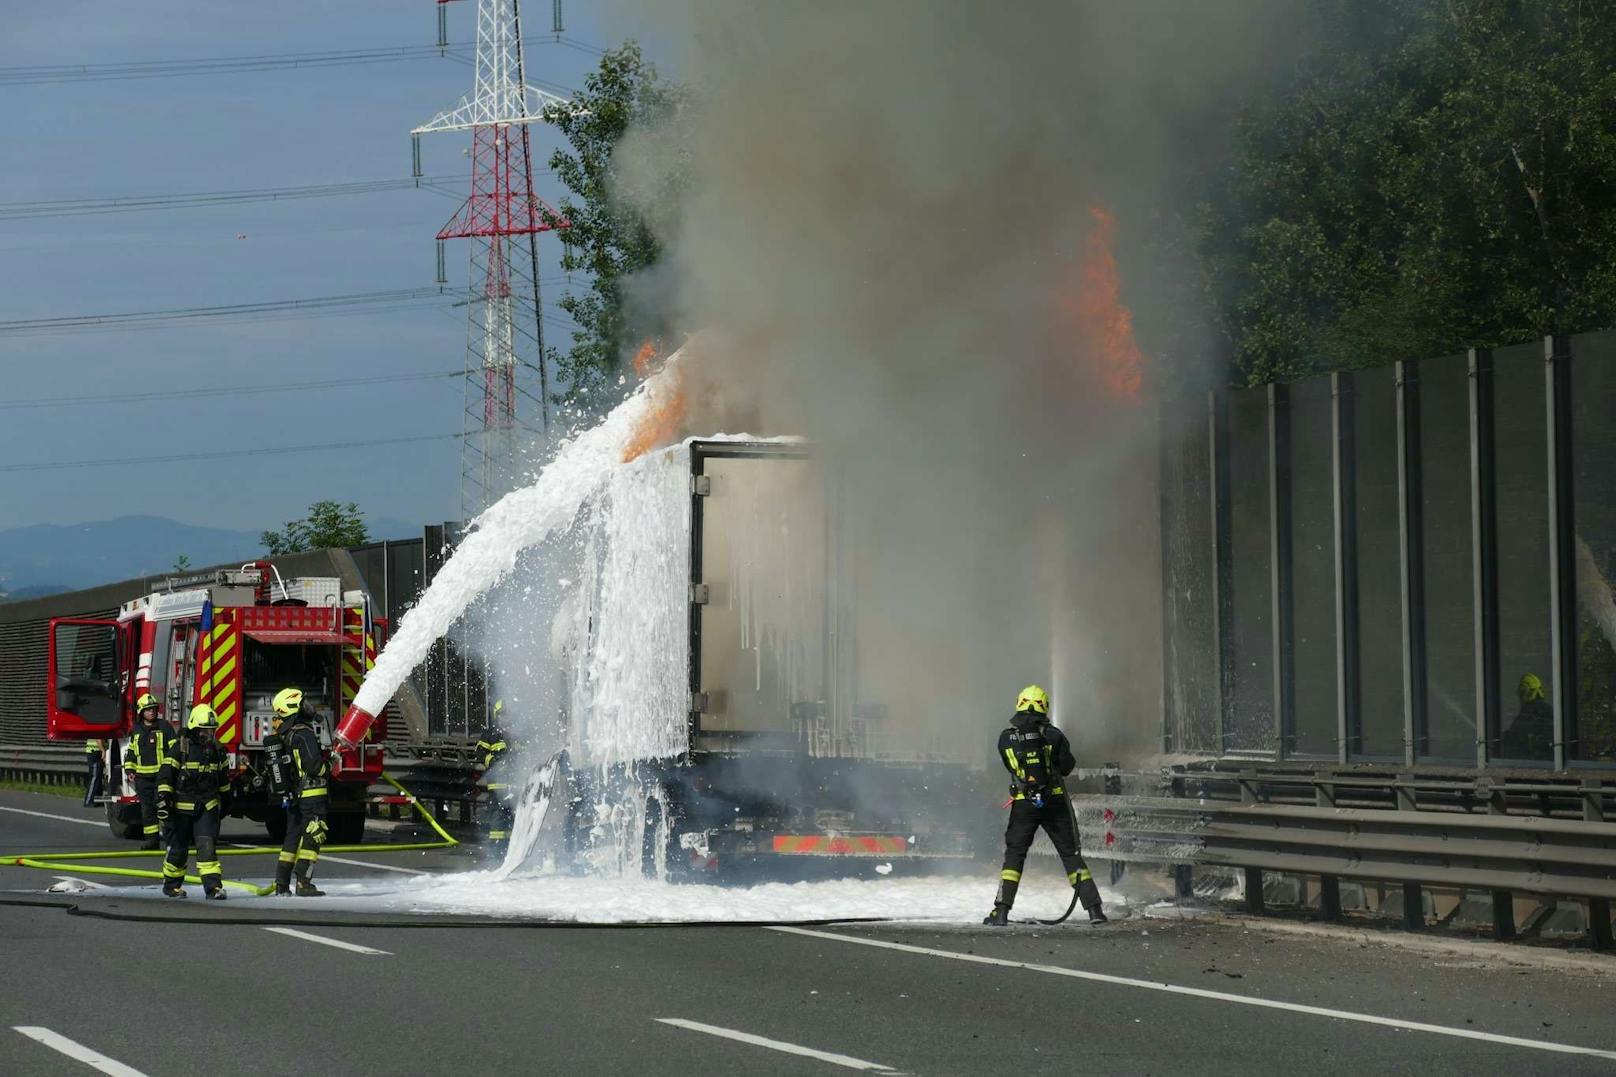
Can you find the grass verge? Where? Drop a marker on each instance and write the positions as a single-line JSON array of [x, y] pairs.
[[16, 786]]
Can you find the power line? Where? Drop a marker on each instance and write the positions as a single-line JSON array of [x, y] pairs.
[[359, 303], [219, 390], [134, 319], [73, 207], [47, 74], [208, 454]]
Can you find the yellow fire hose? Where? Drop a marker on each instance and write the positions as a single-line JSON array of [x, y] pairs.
[[58, 861]]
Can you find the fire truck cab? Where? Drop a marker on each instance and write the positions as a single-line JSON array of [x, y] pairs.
[[232, 639]]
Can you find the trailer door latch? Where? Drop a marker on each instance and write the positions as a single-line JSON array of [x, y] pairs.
[[701, 485], [700, 594]]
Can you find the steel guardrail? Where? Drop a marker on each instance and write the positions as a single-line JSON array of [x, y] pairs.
[[1542, 855]]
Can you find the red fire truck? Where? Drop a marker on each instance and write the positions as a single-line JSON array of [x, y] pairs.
[[232, 639]]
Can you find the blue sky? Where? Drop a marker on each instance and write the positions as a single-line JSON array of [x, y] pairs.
[[229, 132]]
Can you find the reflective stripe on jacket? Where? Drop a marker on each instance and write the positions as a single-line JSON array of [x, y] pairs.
[[146, 749]]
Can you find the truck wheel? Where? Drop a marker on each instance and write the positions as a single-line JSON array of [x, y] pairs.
[[347, 827], [275, 824], [121, 828]]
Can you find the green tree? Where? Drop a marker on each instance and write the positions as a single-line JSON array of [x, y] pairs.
[[608, 236], [1441, 174], [182, 563], [327, 526]]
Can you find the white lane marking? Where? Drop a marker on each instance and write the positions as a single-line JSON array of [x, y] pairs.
[[378, 867], [83, 882], [776, 1045], [94, 1059], [63, 818], [338, 943], [1216, 996]]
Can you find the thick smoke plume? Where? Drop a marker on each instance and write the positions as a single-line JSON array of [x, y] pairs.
[[888, 212]]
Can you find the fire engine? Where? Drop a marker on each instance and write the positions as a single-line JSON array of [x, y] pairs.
[[230, 638]]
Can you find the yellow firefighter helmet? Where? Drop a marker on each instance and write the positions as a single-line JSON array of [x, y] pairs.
[[202, 716], [288, 701], [1033, 698]]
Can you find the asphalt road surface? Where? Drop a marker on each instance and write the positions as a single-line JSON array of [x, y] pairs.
[[1141, 996]]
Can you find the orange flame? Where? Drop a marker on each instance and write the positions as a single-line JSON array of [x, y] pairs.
[[646, 356], [662, 423], [1104, 325]]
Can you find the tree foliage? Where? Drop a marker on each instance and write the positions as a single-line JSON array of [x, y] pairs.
[[328, 525], [608, 236], [1441, 174]]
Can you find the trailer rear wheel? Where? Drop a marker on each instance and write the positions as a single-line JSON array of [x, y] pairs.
[[275, 824], [347, 827]]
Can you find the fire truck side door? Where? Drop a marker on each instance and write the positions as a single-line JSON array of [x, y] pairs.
[[86, 683]]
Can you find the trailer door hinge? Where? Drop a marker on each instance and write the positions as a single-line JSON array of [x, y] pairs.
[[701, 485], [699, 594], [709, 702]]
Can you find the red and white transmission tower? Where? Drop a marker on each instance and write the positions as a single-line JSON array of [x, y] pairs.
[[502, 218]]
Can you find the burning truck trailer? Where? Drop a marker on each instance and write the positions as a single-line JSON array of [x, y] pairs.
[[720, 720], [231, 639]]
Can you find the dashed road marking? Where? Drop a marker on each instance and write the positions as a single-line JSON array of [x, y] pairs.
[[1215, 996], [778, 1045], [338, 943], [94, 1059]]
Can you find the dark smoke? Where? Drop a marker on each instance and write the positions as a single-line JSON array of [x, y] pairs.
[[888, 201]]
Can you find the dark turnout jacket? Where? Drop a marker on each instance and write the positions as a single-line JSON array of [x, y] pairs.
[[1037, 755]]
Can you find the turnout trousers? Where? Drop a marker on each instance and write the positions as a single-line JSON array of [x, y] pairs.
[[146, 790], [201, 826], [92, 778], [1058, 821], [305, 832]]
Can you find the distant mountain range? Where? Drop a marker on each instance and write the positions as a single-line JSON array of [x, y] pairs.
[[45, 559]]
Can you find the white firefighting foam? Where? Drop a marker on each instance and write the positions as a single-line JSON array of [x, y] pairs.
[[520, 519]]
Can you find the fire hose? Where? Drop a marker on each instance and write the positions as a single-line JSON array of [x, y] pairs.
[[1061, 919], [58, 861]]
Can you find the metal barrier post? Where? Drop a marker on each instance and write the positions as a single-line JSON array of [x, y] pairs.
[[1329, 897], [1503, 915], [1413, 907], [1599, 935], [1254, 895]]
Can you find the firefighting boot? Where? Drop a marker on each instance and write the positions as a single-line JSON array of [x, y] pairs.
[[216, 894], [283, 879], [1097, 916], [1009, 883], [306, 888], [173, 889]]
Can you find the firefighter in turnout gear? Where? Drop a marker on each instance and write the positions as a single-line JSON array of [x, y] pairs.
[[493, 747], [142, 759], [1039, 757], [92, 776], [299, 771], [190, 786]]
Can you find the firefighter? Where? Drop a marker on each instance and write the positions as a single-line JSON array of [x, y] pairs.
[[190, 787], [1039, 757], [1531, 733], [306, 772], [92, 777], [494, 746], [141, 762]]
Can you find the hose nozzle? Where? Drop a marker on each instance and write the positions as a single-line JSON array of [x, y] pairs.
[[355, 724]]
